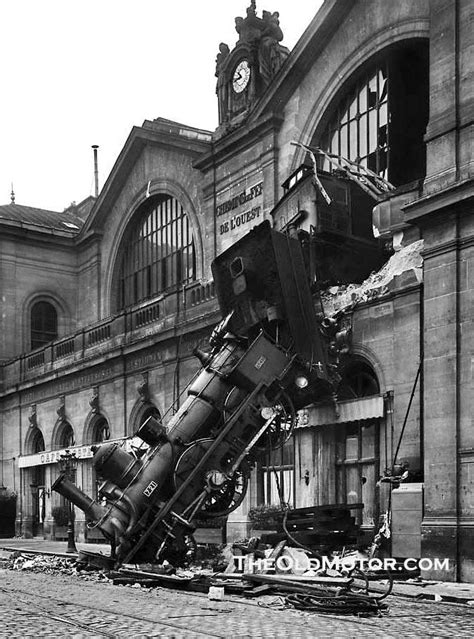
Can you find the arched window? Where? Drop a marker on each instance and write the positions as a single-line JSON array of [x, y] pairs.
[[37, 442], [66, 436], [381, 119], [43, 323], [101, 430], [158, 252], [358, 380]]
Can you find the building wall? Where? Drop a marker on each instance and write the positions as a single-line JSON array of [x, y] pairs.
[[157, 170], [368, 28], [393, 332], [23, 283], [115, 383]]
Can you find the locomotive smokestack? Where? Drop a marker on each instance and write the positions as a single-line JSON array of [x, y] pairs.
[[70, 491], [96, 171]]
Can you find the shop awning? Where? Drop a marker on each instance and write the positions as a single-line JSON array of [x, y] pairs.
[[82, 452], [352, 410]]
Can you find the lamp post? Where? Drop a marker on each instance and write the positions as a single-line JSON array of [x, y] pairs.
[[67, 466]]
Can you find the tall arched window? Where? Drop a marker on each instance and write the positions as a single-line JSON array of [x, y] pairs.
[[37, 442], [158, 252], [101, 430], [381, 119], [66, 436], [99, 433], [43, 323]]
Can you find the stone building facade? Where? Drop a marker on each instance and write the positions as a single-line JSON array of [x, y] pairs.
[[104, 303]]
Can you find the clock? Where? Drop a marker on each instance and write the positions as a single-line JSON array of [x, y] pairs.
[[241, 76]]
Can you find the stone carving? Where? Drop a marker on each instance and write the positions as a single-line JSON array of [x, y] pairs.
[[248, 28], [221, 56], [221, 86], [259, 43], [61, 409], [143, 389], [33, 417], [271, 53], [94, 400]]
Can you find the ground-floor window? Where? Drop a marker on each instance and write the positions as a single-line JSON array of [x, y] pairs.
[[277, 475], [357, 467]]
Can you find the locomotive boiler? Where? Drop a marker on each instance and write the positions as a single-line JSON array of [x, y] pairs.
[[267, 359]]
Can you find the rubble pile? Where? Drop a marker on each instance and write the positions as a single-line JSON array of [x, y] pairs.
[[340, 298], [52, 564], [298, 576], [252, 569], [41, 564]]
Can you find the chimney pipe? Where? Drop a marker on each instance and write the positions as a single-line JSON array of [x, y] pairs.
[[96, 170]]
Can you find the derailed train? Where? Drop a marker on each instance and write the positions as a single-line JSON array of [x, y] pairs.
[[268, 358]]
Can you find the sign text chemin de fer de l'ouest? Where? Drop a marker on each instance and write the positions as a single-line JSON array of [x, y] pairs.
[[237, 201]]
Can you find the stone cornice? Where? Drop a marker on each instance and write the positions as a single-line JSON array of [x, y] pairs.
[[163, 134], [36, 233], [448, 247], [432, 521], [239, 139], [192, 322], [437, 203]]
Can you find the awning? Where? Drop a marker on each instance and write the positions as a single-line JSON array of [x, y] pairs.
[[82, 452], [352, 410]]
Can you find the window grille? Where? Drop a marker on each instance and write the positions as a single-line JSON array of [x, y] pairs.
[[158, 254], [381, 120], [359, 129]]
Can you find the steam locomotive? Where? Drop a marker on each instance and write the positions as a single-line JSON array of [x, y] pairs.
[[267, 359]]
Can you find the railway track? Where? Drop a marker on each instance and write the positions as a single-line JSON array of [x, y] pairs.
[[61, 605]]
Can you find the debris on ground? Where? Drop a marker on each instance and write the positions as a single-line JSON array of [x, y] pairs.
[[41, 563], [51, 564], [250, 568]]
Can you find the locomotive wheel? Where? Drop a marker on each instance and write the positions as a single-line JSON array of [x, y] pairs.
[[279, 431], [226, 499], [225, 492], [281, 428]]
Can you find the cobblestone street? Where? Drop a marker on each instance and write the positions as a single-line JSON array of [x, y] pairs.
[[48, 605]]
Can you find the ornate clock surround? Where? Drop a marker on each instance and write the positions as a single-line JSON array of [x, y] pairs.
[[258, 47]]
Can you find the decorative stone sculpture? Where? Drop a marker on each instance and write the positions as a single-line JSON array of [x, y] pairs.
[[61, 409], [33, 417], [143, 390], [94, 400]]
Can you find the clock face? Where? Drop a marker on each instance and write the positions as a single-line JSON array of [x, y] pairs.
[[241, 76]]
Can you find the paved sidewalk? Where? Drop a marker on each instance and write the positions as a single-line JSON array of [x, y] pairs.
[[50, 547], [433, 591]]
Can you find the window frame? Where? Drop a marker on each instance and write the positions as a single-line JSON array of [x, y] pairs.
[[407, 112], [350, 112], [48, 335], [158, 253], [278, 466]]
